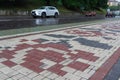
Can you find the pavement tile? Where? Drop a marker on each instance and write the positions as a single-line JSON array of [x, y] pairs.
[[9, 79], [78, 66], [3, 59], [17, 77], [32, 75], [52, 76], [39, 77], [32, 67], [13, 73], [47, 63], [57, 69], [60, 78], [46, 79], [17, 67], [70, 76], [25, 71], [6, 70], [25, 78], [3, 76], [9, 63], [83, 79], [68, 69], [69, 54], [2, 65], [66, 62]]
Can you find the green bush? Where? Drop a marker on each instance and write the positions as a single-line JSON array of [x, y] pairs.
[[101, 11]]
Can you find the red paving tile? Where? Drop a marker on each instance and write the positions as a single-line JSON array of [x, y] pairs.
[[84, 33], [33, 61], [79, 66], [8, 52], [7, 56], [59, 46], [84, 55], [57, 69], [9, 63], [37, 40], [32, 67], [22, 46]]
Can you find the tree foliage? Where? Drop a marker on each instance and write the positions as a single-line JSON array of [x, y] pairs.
[[85, 4], [14, 3], [79, 5]]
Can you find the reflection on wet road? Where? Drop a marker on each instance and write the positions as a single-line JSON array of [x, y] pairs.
[[21, 22], [46, 21]]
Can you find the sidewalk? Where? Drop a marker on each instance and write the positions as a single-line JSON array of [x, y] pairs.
[[81, 52]]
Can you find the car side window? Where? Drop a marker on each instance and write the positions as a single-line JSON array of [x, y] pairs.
[[42, 7], [51, 8]]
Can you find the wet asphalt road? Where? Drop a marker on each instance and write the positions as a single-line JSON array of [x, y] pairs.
[[13, 22]]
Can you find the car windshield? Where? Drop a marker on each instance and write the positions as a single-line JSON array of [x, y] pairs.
[[43, 7]]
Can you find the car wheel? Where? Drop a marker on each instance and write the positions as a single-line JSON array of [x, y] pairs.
[[43, 15], [56, 15]]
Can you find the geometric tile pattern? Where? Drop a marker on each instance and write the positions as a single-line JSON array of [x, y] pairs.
[[70, 54]]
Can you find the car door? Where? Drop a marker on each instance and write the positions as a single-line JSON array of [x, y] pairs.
[[51, 11]]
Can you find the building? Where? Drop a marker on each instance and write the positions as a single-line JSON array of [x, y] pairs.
[[113, 3]]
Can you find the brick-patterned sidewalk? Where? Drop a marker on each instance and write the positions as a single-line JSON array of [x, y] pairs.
[[83, 53]]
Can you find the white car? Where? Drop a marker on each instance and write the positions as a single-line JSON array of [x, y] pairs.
[[45, 11]]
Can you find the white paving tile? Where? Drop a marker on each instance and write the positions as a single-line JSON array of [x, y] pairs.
[[46, 73], [9, 79], [39, 77], [3, 76], [47, 63], [68, 69], [17, 77], [17, 67], [32, 75], [24, 71], [66, 62], [69, 76], [12, 73], [24, 78], [6, 70], [52, 76], [2, 65]]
